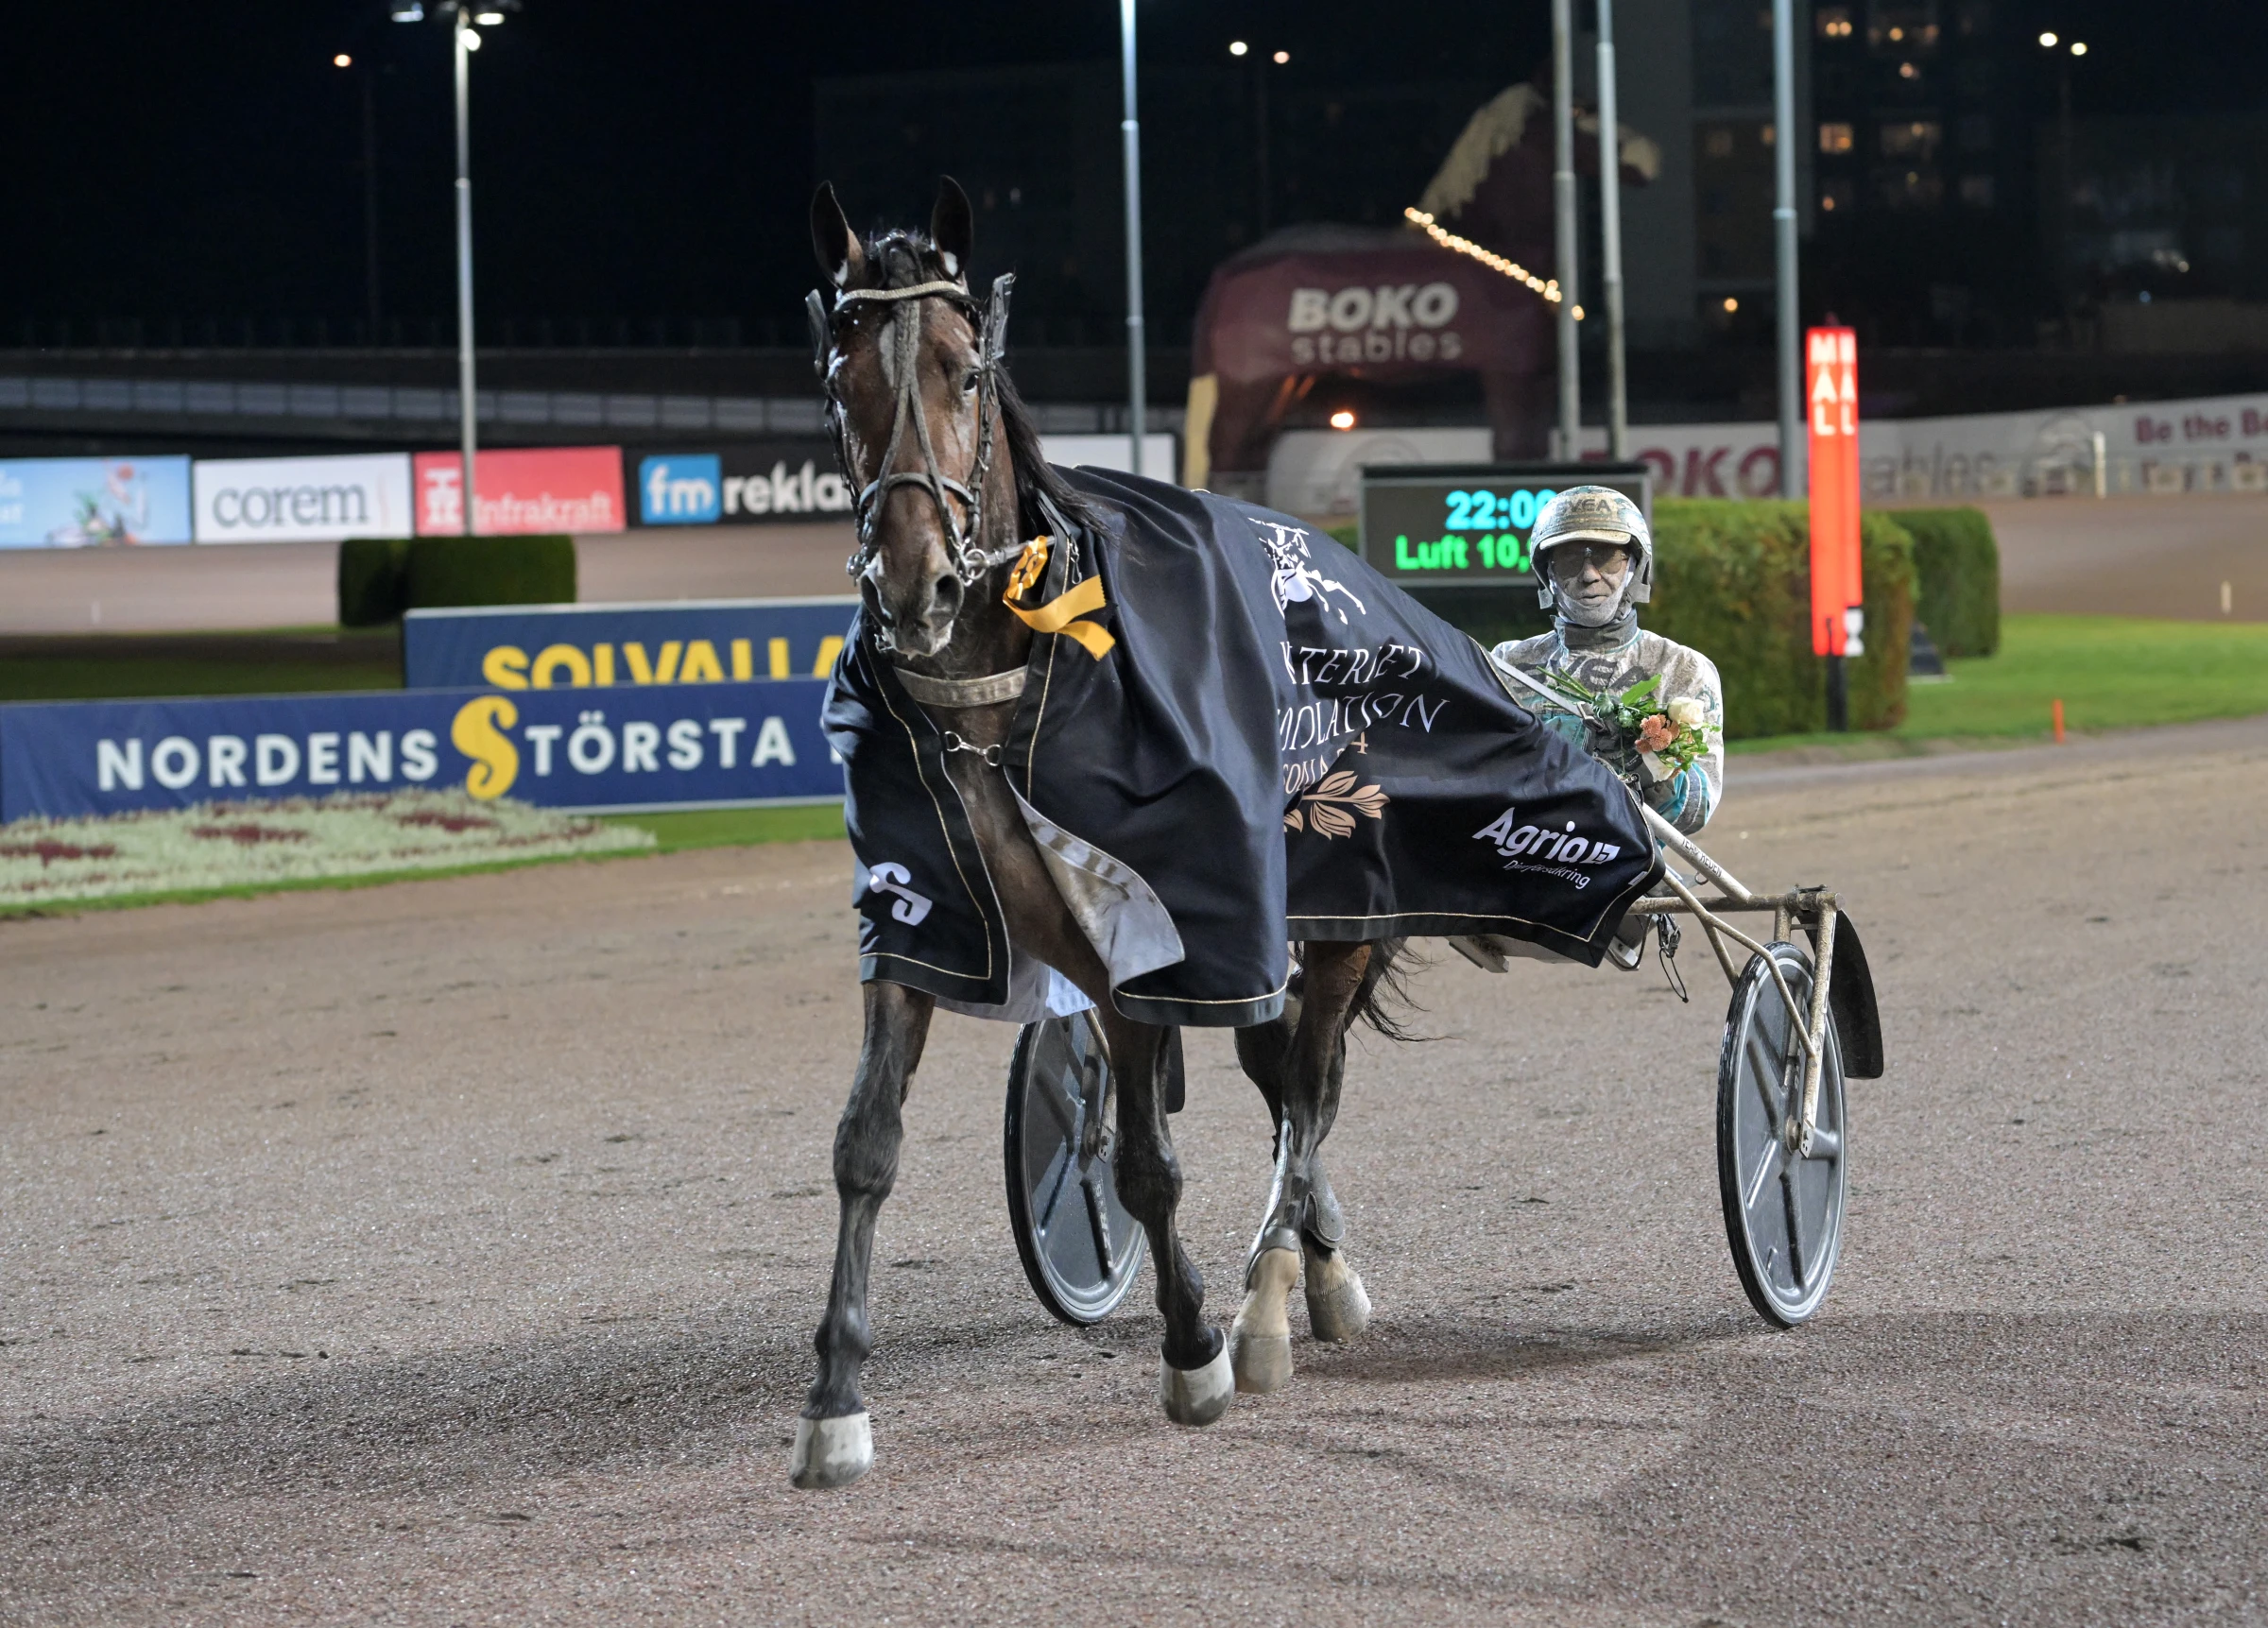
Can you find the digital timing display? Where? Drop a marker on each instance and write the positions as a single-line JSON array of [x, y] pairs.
[[1443, 524]]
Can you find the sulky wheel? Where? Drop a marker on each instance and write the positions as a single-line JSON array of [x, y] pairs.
[[1081, 1249], [1783, 1211]]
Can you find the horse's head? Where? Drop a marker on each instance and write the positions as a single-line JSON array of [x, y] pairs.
[[910, 363]]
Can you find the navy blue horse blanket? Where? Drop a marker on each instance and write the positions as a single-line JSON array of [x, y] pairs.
[[1279, 745]]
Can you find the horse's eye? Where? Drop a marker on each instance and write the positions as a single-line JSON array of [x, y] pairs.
[[968, 382]]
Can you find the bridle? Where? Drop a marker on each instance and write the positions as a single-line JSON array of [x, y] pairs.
[[971, 560]]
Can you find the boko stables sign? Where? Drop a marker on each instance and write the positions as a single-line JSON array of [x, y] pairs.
[[1838, 595]]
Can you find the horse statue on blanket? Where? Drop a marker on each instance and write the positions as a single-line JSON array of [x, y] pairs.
[[1114, 746]]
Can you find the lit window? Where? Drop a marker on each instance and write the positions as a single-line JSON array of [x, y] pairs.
[[1834, 21], [1836, 138], [1342, 419], [1908, 71], [1917, 139]]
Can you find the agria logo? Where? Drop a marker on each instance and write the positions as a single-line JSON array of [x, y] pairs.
[[684, 489], [1540, 846]]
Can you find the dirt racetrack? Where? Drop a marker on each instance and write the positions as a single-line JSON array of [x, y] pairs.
[[2118, 556], [449, 1252]]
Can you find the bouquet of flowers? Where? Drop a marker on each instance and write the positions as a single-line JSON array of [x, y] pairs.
[[1668, 737]]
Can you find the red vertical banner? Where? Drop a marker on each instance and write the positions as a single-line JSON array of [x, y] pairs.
[[1831, 386]]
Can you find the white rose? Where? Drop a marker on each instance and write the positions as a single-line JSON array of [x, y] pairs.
[[1689, 712]]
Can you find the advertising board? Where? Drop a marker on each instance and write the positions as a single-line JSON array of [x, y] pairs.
[[1831, 393], [704, 745], [1440, 525], [523, 489], [86, 503], [302, 500], [583, 647], [762, 481]]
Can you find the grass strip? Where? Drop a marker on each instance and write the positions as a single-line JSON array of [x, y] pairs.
[[2109, 672], [124, 667], [677, 831]]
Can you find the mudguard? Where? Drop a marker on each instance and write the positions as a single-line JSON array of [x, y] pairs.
[[1850, 1000]]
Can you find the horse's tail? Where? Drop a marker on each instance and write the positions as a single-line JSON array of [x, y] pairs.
[[1383, 995]]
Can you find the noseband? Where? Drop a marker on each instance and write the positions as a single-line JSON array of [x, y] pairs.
[[969, 559]]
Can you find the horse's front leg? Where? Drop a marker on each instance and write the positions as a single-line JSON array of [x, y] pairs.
[[835, 1442], [1195, 1381]]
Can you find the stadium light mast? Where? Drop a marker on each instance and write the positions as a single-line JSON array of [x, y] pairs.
[[1610, 240], [1789, 315], [1565, 247], [1137, 405], [465, 40]]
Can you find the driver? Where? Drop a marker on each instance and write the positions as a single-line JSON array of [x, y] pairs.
[[1594, 566]]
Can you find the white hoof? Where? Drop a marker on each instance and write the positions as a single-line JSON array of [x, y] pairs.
[[1337, 1309], [832, 1453], [1260, 1341], [1196, 1395]]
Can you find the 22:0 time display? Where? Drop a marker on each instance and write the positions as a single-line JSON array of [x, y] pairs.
[[1501, 520], [1484, 510]]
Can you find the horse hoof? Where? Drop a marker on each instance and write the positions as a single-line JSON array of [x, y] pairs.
[[1337, 1309], [1196, 1395], [1260, 1341], [832, 1453]]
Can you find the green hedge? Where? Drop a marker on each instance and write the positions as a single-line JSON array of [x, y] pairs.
[[374, 580], [1957, 566], [445, 570], [379, 577], [1733, 580]]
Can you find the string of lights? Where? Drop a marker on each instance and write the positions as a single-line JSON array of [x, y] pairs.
[[1548, 287]]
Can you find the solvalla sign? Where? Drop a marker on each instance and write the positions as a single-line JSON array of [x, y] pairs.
[[302, 500]]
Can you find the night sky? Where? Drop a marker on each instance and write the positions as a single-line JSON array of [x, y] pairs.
[[173, 159]]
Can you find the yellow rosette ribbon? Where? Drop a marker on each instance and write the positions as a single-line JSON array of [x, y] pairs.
[[1063, 614]]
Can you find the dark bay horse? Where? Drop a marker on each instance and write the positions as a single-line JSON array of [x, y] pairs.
[[951, 483]]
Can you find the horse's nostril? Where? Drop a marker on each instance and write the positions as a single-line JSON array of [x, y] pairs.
[[946, 595]]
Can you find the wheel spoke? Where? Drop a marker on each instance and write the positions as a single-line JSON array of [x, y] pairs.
[[1770, 1074], [1049, 1188], [1098, 1220], [1795, 1266], [1765, 1170]]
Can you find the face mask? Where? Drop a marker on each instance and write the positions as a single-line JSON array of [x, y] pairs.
[[1588, 589]]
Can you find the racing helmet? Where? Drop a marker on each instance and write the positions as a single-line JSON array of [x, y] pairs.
[[1593, 514]]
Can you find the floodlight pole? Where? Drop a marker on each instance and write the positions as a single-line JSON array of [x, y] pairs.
[[1787, 314], [1137, 405], [467, 398], [1564, 245], [1610, 242]]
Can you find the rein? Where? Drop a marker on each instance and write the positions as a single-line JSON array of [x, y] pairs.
[[972, 560]]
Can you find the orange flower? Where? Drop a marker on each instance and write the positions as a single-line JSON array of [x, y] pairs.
[[1655, 733]]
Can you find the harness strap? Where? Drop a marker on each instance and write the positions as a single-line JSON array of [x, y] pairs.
[[984, 691]]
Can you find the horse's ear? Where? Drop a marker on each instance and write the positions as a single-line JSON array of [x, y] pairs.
[[842, 260], [951, 228]]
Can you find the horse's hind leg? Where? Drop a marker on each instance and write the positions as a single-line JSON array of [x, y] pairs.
[[1194, 1382], [834, 1443], [1303, 1060]]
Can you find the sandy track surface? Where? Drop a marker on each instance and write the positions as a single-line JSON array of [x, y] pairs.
[[233, 586], [2122, 556], [2135, 555], [449, 1253]]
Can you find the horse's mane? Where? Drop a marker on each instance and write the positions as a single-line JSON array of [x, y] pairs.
[[903, 257]]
